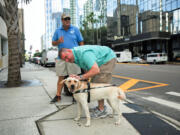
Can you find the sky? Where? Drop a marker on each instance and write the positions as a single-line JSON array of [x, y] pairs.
[[34, 23]]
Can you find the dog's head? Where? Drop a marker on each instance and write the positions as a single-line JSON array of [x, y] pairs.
[[72, 83]]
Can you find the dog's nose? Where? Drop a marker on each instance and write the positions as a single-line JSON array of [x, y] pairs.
[[72, 86]]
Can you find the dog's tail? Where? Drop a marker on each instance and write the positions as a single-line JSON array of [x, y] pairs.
[[121, 95]]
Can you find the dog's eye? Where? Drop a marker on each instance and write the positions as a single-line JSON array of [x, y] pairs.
[[69, 81], [75, 81]]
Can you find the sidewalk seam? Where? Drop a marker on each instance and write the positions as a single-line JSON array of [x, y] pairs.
[[37, 122]]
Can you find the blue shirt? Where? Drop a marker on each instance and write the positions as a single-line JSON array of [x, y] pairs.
[[85, 56], [71, 37]]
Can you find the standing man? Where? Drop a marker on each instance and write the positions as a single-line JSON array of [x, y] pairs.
[[66, 36], [98, 61]]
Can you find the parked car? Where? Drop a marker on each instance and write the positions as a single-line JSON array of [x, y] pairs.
[[177, 57], [49, 57], [36, 60], [157, 58], [124, 56], [138, 60]]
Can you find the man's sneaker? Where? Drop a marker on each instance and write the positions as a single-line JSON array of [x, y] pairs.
[[99, 114], [56, 99], [93, 109], [96, 108]]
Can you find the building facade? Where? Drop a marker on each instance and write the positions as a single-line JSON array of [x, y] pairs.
[[144, 26], [74, 12], [3, 43]]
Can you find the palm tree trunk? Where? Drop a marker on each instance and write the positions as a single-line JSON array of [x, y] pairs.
[[14, 74]]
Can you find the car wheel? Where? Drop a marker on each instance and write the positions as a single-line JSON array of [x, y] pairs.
[[154, 62]]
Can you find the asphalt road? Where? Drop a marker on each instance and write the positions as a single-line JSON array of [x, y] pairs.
[[157, 87]]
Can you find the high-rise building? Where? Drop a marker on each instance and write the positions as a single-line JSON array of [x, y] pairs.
[[53, 11], [100, 11], [88, 8], [144, 26], [48, 23], [74, 12]]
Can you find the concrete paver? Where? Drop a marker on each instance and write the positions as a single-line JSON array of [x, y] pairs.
[[63, 123]]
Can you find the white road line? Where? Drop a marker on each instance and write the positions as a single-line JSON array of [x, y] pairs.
[[173, 93], [164, 102]]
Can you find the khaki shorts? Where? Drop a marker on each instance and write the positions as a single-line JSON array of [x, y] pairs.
[[105, 75], [65, 68]]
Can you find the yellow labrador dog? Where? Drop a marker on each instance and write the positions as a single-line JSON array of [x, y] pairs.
[[98, 91]]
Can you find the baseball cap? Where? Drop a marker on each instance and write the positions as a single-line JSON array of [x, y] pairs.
[[64, 16]]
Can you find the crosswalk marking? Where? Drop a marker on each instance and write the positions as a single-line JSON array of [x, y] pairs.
[[163, 102], [173, 93]]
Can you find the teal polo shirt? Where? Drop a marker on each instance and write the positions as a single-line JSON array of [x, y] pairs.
[[85, 56]]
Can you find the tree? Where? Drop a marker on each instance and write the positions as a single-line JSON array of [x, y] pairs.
[[90, 18], [39, 54], [100, 20], [9, 14]]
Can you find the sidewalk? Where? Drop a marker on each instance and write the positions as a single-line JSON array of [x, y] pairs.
[[26, 110]]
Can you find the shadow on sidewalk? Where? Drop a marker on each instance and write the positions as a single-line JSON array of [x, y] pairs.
[[24, 83]]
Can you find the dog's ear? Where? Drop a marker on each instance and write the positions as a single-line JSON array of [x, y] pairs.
[[62, 81], [79, 84]]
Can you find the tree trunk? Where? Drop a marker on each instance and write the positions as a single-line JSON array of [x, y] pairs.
[[14, 74]]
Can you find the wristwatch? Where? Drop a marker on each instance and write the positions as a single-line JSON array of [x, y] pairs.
[[81, 77]]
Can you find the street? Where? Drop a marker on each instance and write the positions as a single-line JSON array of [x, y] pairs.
[[163, 99], [157, 87]]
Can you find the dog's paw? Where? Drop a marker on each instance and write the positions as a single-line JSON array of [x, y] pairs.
[[117, 123], [76, 119], [87, 125]]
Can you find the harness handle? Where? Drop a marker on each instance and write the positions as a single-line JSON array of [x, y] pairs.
[[89, 87]]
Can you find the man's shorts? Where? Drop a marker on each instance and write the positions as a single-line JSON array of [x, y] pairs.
[[105, 75], [65, 68]]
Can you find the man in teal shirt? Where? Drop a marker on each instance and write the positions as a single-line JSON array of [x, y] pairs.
[[98, 61]]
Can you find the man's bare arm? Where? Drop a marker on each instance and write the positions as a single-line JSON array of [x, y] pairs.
[[81, 43], [60, 40], [92, 72]]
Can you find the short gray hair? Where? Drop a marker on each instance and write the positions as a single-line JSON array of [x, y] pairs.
[[61, 51]]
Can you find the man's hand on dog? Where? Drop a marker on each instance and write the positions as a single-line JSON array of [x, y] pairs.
[[76, 76]]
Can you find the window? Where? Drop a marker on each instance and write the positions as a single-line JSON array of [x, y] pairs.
[[4, 46], [168, 7], [174, 4], [118, 55], [178, 3]]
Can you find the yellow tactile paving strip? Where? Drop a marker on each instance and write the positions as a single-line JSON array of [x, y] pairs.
[[134, 64]]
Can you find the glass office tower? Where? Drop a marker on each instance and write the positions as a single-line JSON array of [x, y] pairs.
[[144, 26]]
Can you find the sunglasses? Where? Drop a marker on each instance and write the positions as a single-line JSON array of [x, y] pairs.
[[67, 18]]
